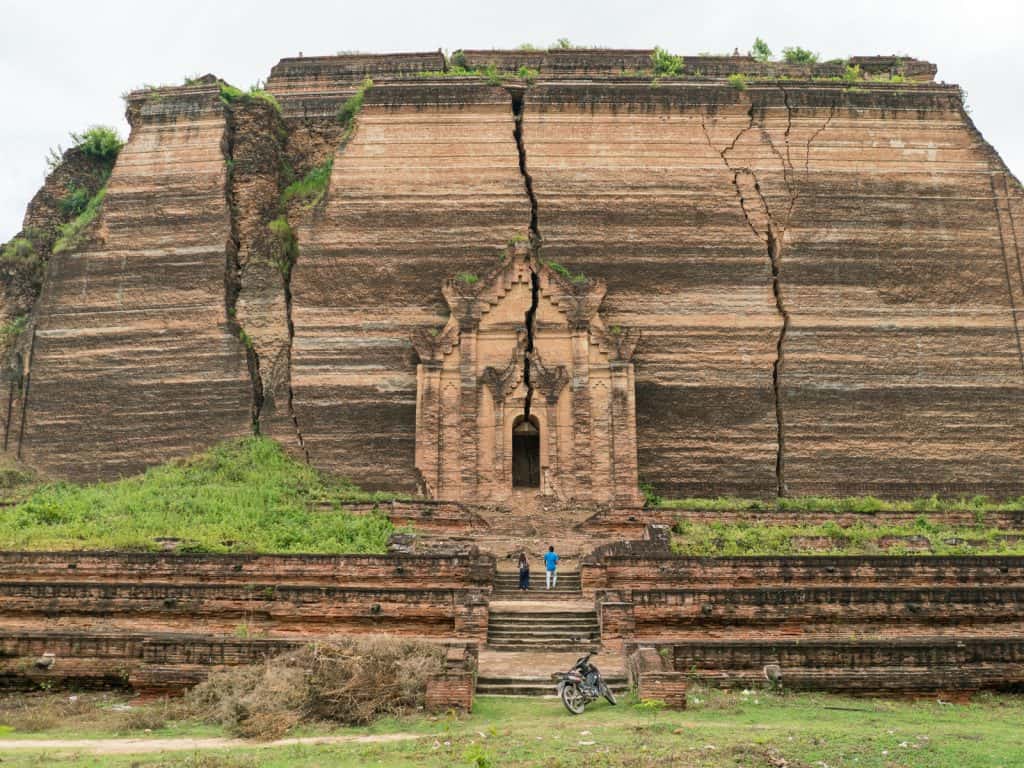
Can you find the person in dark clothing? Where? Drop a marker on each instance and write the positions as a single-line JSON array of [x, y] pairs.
[[524, 572]]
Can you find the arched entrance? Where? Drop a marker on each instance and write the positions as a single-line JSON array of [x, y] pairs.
[[525, 453]]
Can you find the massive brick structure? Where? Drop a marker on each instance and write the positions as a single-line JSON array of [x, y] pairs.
[[790, 284]]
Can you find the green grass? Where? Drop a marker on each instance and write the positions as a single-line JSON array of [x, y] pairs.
[[856, 504], [729, 539], [20, 250], [311, 188], [100, 142], [230, 94], [241, 496], [720, 730], [351, 107], [71, 234]]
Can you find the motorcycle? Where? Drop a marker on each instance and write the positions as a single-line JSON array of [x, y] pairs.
[[581, 685]]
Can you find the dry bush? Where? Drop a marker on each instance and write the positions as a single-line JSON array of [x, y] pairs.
[[32, 713], [344, 680], [152, 717]]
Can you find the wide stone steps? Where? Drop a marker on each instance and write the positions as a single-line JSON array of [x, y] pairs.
[[543, 630], [535, 685], [506, 587]]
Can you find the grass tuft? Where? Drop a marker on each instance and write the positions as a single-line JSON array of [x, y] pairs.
[[72, 233]]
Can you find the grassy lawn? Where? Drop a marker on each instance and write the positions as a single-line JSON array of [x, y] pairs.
[[720, 729], [241, 496]]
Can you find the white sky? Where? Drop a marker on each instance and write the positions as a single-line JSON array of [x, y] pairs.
[[64, 65]]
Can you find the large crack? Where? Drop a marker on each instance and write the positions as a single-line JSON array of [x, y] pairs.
[[535, 244], [772, 233], [233, 276]]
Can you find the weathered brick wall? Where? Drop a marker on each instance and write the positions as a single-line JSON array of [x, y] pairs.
[[669, 687], [451, 690], [652, 573]]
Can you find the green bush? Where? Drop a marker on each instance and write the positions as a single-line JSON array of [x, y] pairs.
[[760, 50], [75, 201], [458, 60], [70, 234], [852, 74], [100, 142], [665, 64], [467, 277], [19, 251], [798, 55], [577, 278], [245, 495], [528, 74], [288, 245], [229, 94], [311, 188], [11, 330], [738, 81], [561, 44]]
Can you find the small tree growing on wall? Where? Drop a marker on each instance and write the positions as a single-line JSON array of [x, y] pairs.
[[760, 50]]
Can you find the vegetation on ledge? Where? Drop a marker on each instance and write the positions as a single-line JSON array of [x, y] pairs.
[[847, 504], [245, 495], [922, 537]]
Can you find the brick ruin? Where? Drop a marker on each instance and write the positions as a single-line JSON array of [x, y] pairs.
[[517, 298]]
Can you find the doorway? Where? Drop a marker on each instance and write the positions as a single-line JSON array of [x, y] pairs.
[[525, 453]]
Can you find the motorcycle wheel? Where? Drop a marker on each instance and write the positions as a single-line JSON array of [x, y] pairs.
[[609, 695], [573, 699]]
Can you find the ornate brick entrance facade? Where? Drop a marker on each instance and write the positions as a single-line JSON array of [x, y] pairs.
[[525, 356]]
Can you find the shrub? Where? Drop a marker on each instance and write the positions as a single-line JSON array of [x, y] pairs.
[[852, 74], [458, 59], [288, 245], [562, 44], [467, 277], [492, 74], [9, 331], [528, 74], [666, 64], [578, 278], [798, 55], [351, 680], [74, 202], [100, 142], [229, 93], [760, 50], [311, 188], [70, 234], [738, 81], [19, 251]]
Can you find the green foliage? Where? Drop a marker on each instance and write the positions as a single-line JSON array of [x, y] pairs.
[[651, 497], [760, 50], [561, 44], [527, 47], [70, 234], [245, 338], [241, 496], [100, 142], [852, 74], [467, 277], [738, 81], [578, 278], [848, 504], [229, 94], [19, 251], [311, 188], [731, 539], [665, 64], [288, 245], [11, 330], [350, 109], [492, 74], [798, 55], [75, 201], [528, 74], [458, 59]]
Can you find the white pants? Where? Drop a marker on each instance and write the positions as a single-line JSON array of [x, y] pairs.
[[552, 578]]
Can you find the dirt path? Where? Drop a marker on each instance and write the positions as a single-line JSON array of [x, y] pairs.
[[184, 744]]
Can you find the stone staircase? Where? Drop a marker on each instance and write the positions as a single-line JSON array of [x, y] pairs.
[[564, 629], [536, 685], [506, 586]]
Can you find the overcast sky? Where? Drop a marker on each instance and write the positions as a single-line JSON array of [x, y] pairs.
[[64, 65]]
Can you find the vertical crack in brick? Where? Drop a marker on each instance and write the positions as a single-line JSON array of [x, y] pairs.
[[233, 275], [535, 244]]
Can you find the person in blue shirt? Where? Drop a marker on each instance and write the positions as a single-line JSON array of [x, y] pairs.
[[551, 564]]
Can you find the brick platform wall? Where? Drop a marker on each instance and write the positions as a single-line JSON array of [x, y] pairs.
[[669, 687]]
